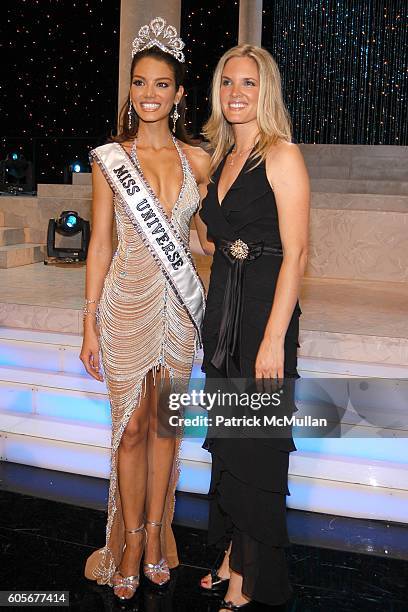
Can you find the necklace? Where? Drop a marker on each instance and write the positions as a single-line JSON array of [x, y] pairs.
[[232, 156]]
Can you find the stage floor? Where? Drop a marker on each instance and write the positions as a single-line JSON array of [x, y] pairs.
[[335, 564], [329, 305]]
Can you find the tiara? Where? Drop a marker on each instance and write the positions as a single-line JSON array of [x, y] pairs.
[[148, 37]]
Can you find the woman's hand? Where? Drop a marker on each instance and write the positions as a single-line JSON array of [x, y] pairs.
[[269, 362], [90, 353]]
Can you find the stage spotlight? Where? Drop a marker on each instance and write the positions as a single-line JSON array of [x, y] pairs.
[[16, 174], [76, 232], [72, 168], [67, 224]]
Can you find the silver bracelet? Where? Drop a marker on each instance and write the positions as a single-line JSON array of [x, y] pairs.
[[87, 312]]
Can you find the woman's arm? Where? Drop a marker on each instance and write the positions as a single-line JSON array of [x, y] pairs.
[[200, 163], [288, 177], [199, 243], [97, 264]]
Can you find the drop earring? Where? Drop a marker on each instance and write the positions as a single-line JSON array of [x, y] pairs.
[[175, 117], [130, 114]]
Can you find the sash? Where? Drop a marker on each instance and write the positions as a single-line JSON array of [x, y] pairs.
[[156, 230]]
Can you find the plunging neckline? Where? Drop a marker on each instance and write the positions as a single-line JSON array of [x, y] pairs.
[[220, 203], [136, 162]]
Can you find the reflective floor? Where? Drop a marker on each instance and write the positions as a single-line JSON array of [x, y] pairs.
[[50, 522]]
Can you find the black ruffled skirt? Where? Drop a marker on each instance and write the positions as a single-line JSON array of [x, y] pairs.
[[249, 484]]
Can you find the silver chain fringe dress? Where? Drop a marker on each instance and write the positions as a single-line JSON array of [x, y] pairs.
[[143, 327]]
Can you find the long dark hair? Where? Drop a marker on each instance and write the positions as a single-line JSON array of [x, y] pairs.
[[126, 133]]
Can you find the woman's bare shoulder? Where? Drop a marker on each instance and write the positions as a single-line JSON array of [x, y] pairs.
[[126, 144], [196, 151], [285, 164], [199, 159], [283, 159], [285, 151]]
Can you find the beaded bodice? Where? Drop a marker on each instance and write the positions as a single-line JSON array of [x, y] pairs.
[[185, 206]]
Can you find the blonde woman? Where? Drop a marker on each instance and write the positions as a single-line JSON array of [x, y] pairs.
[[256, 212], [150, 304]]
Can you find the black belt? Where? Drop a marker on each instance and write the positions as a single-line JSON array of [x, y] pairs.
[[237, 253]]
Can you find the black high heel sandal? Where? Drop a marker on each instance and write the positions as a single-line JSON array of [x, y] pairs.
[[228, 605], [217, 583]]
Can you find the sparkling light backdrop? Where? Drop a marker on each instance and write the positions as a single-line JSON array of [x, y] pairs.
[[343, 67], [58, 80], [208, 29]]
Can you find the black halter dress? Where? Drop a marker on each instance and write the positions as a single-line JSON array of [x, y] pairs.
[[249, 477]]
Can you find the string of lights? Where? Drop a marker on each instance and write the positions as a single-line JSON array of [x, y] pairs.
[[343, 67]]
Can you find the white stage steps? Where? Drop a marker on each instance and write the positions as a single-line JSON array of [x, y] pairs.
[[53, 415]]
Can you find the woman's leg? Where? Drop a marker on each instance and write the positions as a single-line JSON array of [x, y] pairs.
[[234, 593], [160, 454], [132, 479], [223, 571]]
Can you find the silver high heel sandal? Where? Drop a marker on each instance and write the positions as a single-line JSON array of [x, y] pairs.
[[127, 582], [151, 570]]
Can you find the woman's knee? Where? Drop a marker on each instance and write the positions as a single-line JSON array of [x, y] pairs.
[[135, 432]]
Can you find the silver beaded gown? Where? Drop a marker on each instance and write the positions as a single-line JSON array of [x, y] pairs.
[[143, 327]]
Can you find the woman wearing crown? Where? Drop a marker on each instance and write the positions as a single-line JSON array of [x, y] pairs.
[[144, 306]]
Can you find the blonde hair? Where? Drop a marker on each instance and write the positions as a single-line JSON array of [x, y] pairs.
[[272, 116]]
